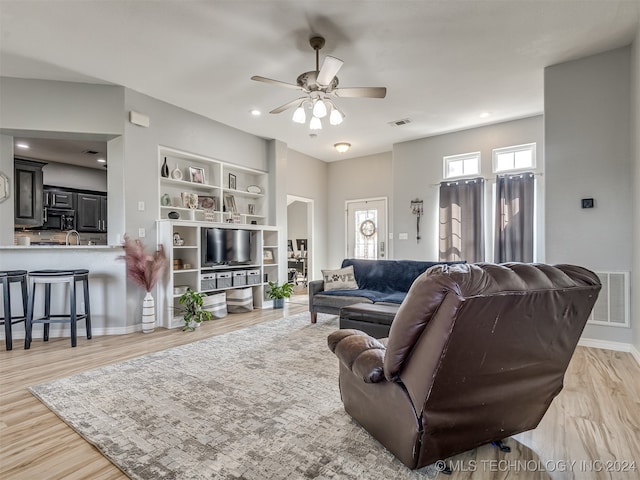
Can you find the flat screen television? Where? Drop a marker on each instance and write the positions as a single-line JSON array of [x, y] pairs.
[[224, 246]]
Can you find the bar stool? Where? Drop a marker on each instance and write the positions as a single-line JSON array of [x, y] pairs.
[[47, 278], [7, 278]]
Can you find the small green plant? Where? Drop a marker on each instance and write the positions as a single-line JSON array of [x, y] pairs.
[[192, 309], [279, 291]]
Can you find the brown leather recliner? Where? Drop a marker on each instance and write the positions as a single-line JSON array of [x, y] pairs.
[[476, 353]]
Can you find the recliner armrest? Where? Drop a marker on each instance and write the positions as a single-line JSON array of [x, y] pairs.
[[360, 353]]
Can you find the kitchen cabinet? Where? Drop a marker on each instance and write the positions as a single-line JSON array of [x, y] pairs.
[[28, 193], [57, 198], [91, 213]]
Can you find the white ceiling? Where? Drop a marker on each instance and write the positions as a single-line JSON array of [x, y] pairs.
[[443, 63]]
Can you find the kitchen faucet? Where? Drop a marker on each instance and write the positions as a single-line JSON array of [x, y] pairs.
[[66, 240]]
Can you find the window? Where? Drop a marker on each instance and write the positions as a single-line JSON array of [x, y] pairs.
[[514, 158], [462, 165]]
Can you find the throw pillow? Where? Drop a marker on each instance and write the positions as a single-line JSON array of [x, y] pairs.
[[340, 279]]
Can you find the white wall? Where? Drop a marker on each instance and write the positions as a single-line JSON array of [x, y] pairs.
[[635, 144], [358, 178], [587, 151], [418, 170], [307, 178]]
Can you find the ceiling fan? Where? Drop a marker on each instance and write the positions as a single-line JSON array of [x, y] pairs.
[[320, 85]]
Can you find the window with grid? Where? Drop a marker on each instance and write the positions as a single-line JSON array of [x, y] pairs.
[[462, 165], [517, 157]]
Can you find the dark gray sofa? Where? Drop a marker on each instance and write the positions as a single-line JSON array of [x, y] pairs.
[[379, 281]]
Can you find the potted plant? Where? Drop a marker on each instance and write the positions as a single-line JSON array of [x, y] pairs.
[[279, 292], [192, 311], [144, 270]]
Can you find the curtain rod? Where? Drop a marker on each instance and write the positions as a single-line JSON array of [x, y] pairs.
[[535, 174]]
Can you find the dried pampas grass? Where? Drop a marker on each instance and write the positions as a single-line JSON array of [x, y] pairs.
[[142, 268]]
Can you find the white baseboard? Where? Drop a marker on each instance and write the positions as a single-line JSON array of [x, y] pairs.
[[608, 345], [635, 353]]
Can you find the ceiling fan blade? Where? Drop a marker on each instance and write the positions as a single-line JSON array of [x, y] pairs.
[[288, 105], [368, 92], [329, 69], [258, 78]]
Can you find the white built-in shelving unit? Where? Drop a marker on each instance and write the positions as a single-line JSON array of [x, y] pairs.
[[250, 199]]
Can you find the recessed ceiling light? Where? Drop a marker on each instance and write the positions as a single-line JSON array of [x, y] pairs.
[[22, 145], [485, 114], [255, 112], [101, 160]]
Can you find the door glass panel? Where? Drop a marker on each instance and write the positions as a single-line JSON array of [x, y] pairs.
[[366, 234]]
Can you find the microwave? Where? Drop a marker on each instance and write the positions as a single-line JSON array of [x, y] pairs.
[[59, 219]]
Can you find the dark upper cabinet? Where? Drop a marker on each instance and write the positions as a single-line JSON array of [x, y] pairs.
[[28, 193], [56, 198], [92, 213]]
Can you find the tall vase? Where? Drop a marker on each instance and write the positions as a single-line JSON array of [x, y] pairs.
[[148, 314], [164, 171]]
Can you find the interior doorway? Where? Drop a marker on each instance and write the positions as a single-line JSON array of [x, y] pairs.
[[300, 248], [366, 228]]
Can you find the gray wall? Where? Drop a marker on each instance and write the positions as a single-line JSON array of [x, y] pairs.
[[6, 207], [418, 170], [307, 177], [65, 175], [296, 222], [635, 138], [358, 178], [587, 151], [61, 107]]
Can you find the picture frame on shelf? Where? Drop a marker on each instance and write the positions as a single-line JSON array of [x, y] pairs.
[[232, 181], [268, 256], [196, 174], [206, 202], [230, 203]]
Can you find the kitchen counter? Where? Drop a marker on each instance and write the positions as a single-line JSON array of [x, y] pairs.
[[107, 283], [60, 247]]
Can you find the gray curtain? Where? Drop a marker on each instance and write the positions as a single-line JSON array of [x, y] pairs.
[[461, 220], [514, 218]]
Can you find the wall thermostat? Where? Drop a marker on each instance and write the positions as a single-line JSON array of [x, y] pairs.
[[587, 203]]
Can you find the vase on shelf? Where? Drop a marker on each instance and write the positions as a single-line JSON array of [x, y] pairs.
[[164, 171], [148, 314]]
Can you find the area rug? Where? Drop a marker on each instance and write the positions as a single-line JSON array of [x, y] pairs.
[[255, 404]]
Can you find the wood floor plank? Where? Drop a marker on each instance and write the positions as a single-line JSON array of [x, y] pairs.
[[595, 418]]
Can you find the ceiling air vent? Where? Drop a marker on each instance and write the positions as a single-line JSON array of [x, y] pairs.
[[91, 152], [398, 123]]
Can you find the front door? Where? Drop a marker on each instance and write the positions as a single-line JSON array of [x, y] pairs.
[[367, 228]]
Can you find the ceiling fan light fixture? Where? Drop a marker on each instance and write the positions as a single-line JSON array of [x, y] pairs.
[[319, 109], [299, 116], [315, 123], [335, 118], [342, 147]]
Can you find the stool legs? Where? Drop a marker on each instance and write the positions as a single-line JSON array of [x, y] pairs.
[[6, 292], [7, 278], [71, 279], [87, 306]]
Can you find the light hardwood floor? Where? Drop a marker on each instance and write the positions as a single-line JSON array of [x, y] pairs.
[[595, 418]]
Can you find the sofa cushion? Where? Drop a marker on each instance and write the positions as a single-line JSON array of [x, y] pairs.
[[387, 275], [341, 279], [388, 296], [329, 299]]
